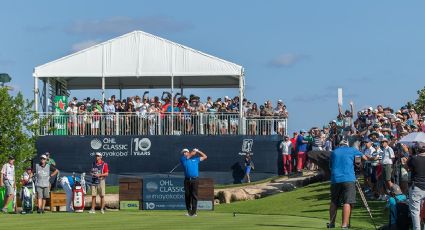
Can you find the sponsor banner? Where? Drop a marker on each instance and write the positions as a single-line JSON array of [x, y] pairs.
[[61, 120], [153, 205], [61, 104], [130, 205], [163, 189], [127, 155]]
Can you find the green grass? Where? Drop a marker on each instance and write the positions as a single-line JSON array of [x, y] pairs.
[[311, 201], [304, 208], [223, 186]]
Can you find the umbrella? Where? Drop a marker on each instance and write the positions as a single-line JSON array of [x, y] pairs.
[[416, 137]]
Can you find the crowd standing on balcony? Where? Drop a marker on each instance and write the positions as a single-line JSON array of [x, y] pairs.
[[150, 116]]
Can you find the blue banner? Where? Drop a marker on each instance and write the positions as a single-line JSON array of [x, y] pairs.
[[163, 189]]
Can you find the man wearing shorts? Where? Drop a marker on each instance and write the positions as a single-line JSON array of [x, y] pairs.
[[387, 163], [7, 179], [99, 172], [43, 172], [343, 188]]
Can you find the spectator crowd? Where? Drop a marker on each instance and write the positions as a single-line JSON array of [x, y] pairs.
[[387, 166], [148, 116]]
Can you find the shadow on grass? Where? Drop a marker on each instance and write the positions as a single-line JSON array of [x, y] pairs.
[[286, 226], [317, 210]]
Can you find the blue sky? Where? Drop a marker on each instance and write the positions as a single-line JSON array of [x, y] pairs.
[[298, 51]]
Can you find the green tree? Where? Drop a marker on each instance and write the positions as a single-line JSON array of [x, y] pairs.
[[420, 102], [18, 129]]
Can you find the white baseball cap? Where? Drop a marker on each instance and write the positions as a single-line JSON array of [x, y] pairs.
[[43, 156], [98, 154], [185, 150]]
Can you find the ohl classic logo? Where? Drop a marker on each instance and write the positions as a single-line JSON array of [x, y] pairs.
[[110, 147]]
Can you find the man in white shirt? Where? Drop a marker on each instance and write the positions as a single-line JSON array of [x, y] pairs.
[[110, 110], [286, 150], [387, 163], [72, 111], [7, 179], [368, 169]]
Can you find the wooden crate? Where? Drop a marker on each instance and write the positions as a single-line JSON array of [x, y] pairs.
[[206, 189], [130, 189], [57, 199]]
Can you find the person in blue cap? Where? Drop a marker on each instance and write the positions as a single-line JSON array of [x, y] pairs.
[[302, 146]]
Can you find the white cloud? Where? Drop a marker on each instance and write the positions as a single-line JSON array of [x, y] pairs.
[[121, 25], [286, 60], [84, 44]]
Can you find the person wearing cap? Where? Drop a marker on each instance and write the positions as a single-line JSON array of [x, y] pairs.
[[51, 161], [396, 196], [343, 188], [416, 165], [302, 146], [7, 179], [369, 171], [110, 110], [286, 150], [99, 172], [190, 162], [387, 163], [42, 174]]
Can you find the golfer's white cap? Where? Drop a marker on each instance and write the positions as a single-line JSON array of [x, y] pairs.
[[43, 156], [185, 150], [98, 154]]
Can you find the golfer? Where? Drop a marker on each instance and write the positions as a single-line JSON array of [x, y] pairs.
[[7, 179], [190, 162], [343, 187], [43, 172], [99, 172]]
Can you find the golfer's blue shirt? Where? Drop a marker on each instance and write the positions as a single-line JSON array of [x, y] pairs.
[[191, 166], [342, 164]]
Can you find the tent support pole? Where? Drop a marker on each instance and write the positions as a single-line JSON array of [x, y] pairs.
[[172, 104], [103, 89], [36, 93], [45, 95], [181, 86], [242, 130]]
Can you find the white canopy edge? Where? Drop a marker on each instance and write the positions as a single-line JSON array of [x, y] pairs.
[[138, 54]]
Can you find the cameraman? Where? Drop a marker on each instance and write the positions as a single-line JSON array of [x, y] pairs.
[[416, 165], [343, 188]]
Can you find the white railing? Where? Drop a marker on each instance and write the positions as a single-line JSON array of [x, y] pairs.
[[160, 124]]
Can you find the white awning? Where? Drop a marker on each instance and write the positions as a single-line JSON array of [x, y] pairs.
[[141, 60]]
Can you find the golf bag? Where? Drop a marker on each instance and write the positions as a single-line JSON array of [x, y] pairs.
[[27, 198], [78, 193]]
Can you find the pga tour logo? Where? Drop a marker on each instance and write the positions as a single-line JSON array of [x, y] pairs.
[[247, 145]]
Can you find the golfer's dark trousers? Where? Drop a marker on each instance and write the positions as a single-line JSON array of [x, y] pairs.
[[191, 194]]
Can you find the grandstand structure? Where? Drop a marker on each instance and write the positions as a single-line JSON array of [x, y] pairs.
[[150, 144], [139, 60]]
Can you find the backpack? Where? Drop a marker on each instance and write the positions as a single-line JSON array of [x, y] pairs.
[[404, 221]]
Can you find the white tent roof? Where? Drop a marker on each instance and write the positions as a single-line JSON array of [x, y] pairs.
[[141, 60]]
